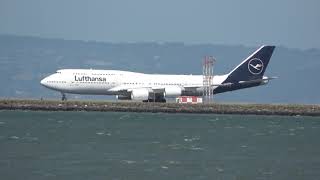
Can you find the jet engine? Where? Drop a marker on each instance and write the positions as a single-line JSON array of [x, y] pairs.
[[172, 91], [140, 94]]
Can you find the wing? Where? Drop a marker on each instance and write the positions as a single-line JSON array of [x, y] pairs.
[[152, 89], [126, 88]]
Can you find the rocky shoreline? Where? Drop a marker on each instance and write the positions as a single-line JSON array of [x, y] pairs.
[[105, 106]]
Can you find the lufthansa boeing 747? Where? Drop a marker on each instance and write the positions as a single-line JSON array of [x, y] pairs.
[[157, 87]]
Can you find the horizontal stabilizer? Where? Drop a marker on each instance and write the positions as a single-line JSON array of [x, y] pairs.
[[264, 79]]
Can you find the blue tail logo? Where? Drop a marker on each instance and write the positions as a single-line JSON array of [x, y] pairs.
[[255, 66]]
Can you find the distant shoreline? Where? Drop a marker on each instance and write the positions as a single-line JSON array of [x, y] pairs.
[[108, 106]]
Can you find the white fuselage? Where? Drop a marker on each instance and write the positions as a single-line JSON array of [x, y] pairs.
[[105, 82]]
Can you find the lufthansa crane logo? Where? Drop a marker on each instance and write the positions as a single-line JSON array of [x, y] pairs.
[[255, 66]]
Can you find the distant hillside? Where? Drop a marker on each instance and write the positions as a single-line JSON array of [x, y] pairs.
[[26, 60]]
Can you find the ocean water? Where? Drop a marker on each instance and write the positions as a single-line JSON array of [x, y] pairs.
[[110, 145]]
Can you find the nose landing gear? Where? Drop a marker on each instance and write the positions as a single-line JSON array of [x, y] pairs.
[[64, 97]]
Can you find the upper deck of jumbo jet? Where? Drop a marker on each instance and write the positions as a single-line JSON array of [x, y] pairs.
[[116, 72], [97, 72]]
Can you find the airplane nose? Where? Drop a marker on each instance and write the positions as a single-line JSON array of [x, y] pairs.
[[43, 82]]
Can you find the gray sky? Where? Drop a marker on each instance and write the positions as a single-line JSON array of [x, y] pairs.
[[291, 23]]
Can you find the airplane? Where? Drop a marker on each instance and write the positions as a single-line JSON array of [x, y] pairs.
[[136, 86]]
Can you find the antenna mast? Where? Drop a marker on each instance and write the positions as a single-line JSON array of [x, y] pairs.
[[208, 62]]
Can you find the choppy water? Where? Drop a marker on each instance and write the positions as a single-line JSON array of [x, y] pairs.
[[92, 145]]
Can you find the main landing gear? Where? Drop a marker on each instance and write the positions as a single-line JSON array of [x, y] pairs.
[[64, 97], [157, 98], [161, 100]]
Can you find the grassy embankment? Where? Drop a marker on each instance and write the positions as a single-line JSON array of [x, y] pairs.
[[256, 109]]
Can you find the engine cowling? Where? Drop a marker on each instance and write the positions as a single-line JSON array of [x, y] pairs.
[[123, 97], [172, 91], [140, 94]]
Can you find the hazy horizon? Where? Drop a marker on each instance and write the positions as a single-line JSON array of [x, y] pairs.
[[157, 42]]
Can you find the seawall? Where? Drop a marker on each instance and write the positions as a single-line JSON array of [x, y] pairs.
[[104, 106]]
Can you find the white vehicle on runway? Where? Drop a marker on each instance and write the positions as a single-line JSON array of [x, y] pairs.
[[157, 87]]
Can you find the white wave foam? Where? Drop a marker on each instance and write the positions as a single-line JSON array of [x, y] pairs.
[[164, 167], [260, 134], [100, 133], [14, 137], [173, 162], [155, 142], [214, 120], [240, 127], [31, 139], [194, 148], [128, 161], [196, 138], [219, 169], [300, 128], [175, 146]]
